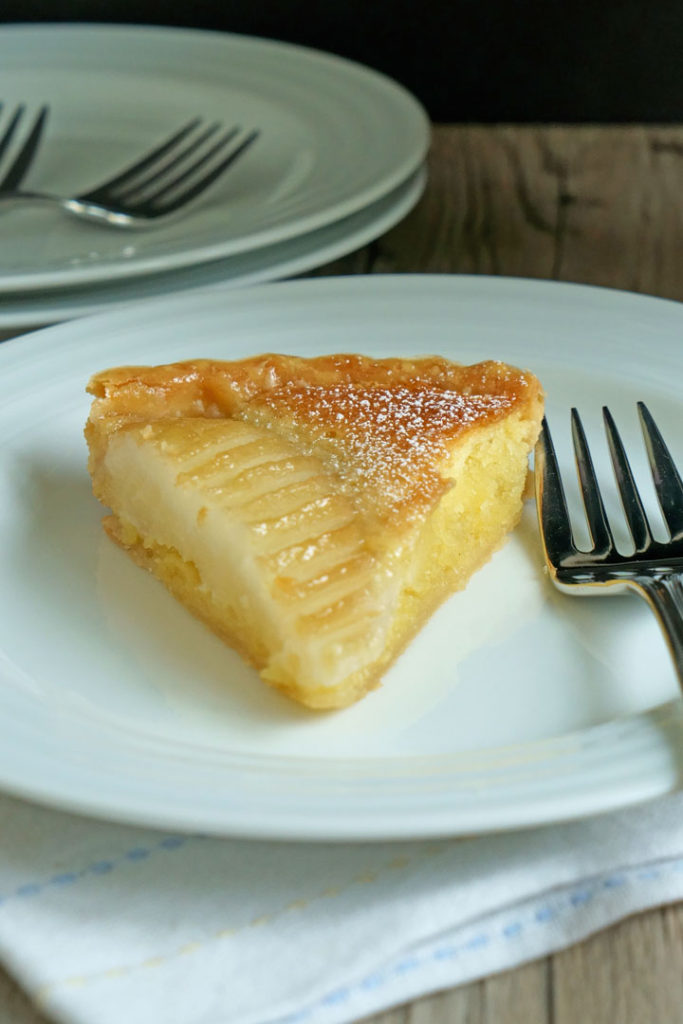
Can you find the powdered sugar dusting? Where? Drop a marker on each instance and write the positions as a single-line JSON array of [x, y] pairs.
[[382, 426], [387, 439]]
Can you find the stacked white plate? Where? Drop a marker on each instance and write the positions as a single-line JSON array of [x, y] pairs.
[[340, 160]]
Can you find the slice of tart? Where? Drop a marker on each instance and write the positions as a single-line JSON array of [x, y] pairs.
[[313, 512]]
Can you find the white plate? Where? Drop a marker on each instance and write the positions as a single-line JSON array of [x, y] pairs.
[[514, 706], [295, 256], [335, 137]]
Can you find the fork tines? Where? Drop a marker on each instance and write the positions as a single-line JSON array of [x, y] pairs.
[[165, 179], [555, 520], [667, 480], [172, 174], [20, 154]]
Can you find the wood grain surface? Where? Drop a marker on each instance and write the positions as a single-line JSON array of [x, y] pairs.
[[598, 205]]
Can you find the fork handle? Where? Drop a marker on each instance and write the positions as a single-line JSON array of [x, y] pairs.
[[665, 596], [17, 198], [80, 208]]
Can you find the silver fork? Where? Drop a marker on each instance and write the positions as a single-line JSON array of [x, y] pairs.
[[655, 568], [159, 184]]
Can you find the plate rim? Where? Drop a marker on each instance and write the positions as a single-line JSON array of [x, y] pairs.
[[273, 266]]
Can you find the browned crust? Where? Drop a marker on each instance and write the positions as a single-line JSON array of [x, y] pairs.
[[392, 421]]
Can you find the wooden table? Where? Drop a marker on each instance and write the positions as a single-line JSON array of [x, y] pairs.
[[600, 205]]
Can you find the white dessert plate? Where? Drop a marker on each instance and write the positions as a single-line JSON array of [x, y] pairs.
[[285, 259], [335, 137], [515, 706]]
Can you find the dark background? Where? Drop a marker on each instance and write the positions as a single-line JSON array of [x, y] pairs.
[[467, 60]]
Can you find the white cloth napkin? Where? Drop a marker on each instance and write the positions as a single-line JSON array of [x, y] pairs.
[[103, 923]]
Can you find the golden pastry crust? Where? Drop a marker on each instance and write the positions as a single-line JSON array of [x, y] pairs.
[[393, 420], [363, 492]]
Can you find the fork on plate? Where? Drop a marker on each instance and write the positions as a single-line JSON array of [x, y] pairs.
[[654, 568], [160, 183]]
